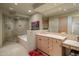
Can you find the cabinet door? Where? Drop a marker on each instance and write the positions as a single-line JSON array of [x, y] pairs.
[[38, 42], [57, 48], [50, 47], [44, 44]]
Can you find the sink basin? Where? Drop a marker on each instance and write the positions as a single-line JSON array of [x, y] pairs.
[[71, 43]]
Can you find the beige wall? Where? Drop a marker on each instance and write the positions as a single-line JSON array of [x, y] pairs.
[[0, 28]]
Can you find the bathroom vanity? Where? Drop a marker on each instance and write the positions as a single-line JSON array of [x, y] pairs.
[[52, 43]]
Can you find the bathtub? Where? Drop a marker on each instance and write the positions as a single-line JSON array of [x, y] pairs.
[[22, 39]]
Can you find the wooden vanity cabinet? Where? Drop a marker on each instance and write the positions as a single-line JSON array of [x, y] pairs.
[[57, 48], [38, 42], [42, 43], [52, 47]]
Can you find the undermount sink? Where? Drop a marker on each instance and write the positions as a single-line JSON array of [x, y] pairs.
[[71, 43], [53, 35]]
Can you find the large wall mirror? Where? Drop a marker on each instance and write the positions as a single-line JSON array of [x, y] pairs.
[[75, 25], [67, 24]]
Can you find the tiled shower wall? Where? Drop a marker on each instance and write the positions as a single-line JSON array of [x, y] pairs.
[[8, 28], [14, 27], [21, 26], [0, 28]]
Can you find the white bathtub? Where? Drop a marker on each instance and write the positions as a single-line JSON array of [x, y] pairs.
[[22, 39]]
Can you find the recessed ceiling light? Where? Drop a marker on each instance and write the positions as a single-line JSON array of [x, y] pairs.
[[15, 3], [65, 9], [29, 10], [10, 8]]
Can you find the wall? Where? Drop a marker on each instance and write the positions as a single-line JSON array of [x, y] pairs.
[[21, 26], [9, 24], [0, 28], [36, 17]]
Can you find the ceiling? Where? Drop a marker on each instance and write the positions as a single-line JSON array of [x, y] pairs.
[[56, 9], [19, 8], [47, 9]]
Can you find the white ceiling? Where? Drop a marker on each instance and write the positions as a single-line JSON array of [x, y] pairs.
[[47, 9], [19, 8], [56, 9]]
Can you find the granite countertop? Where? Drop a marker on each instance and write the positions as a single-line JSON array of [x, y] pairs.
[[68, 39], [53, 35], [71, 43]]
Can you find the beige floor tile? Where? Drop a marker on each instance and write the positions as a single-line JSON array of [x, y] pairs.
[[13, 49]]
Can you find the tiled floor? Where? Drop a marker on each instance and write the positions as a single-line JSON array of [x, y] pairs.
[[13, 49]]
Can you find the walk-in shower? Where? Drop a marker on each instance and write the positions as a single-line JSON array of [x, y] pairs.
[[14, 26]]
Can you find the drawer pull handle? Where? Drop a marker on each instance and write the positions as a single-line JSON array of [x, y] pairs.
[[56, 41], [50, 47], [39, 39]]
